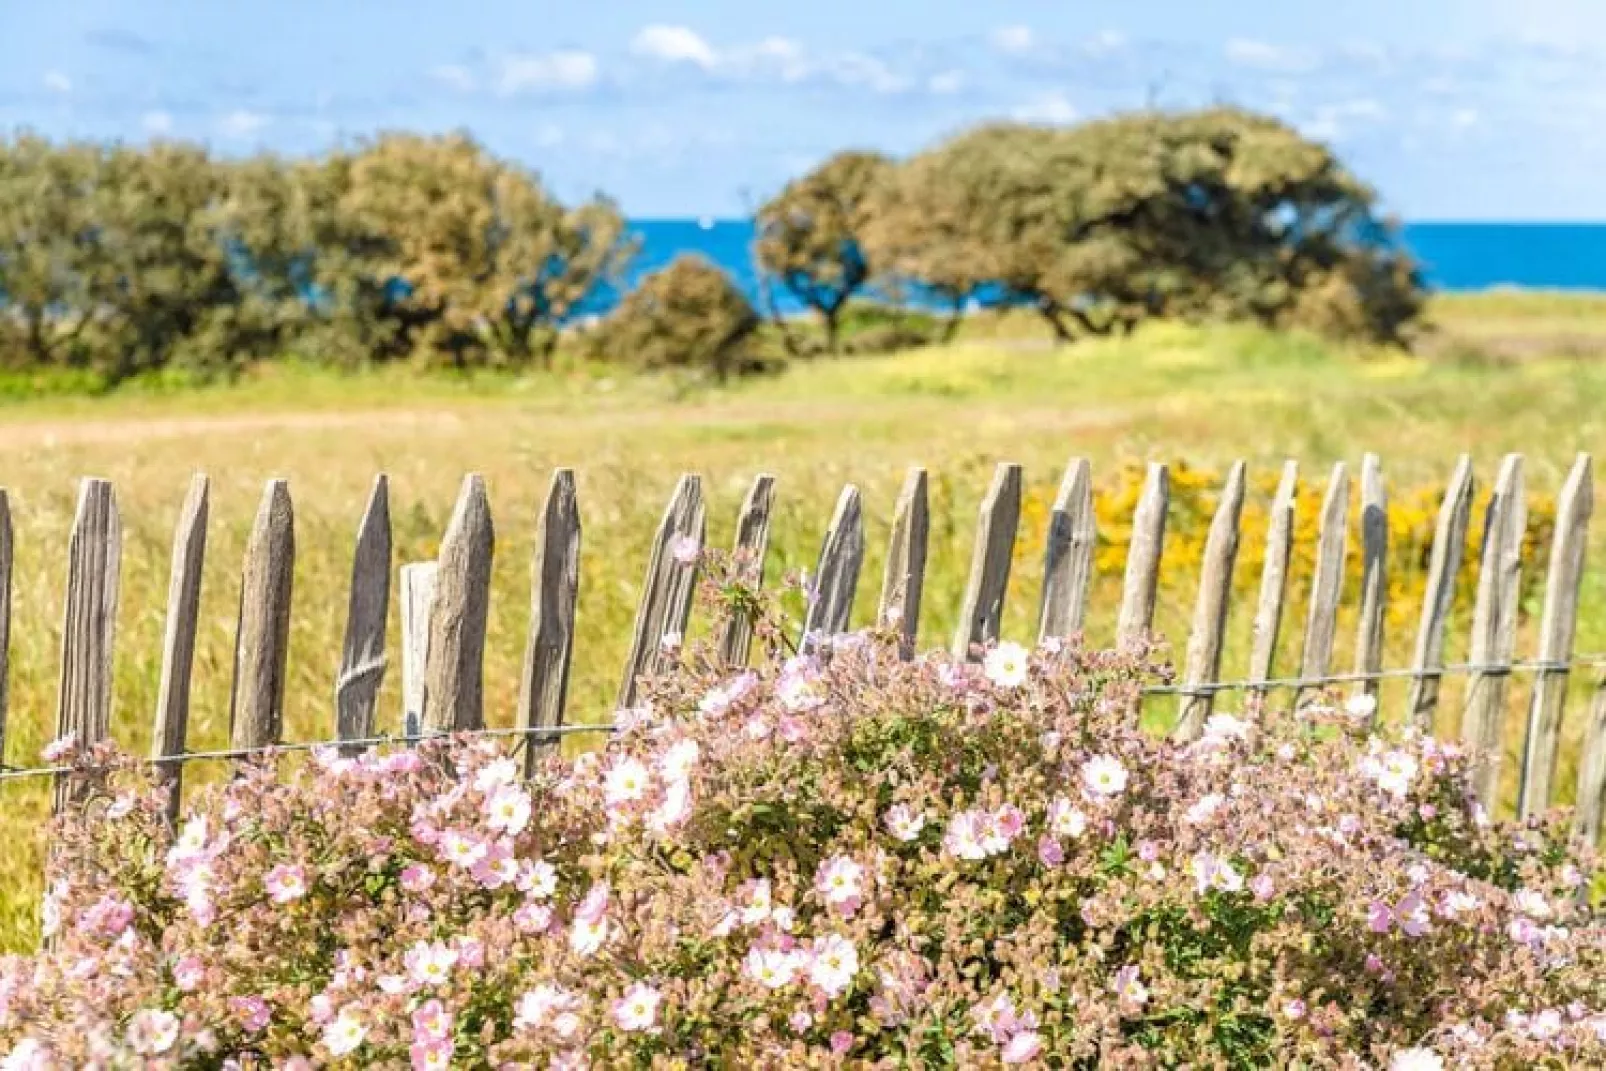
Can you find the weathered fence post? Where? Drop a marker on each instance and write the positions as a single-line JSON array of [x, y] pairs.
[[1068, 556], [554, 591], [417, 603], [1374, 578], [1203, 666], [1494, 627], [982, 610], [178, 641], [1142, 578], [454, 666], [362, 654], [836, 576], [1331, 545], [1556, 629], [89, 622], [752, 544], [1444, 564], [669, 587], [256, 706], [904, 578], [1273, 580], [5, 614]]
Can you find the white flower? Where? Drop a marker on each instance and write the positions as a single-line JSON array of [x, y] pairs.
[[966, 834], [1361, 707], [588, 935], [904, 822], [27, 1055], [344, 1034], [508, 810], [539, 879], [685, 549], [1532, 904], [1416, 1060], [839, 880], [1220, 728], [1203, 809], [1005, 665], [638, 1008], [771, 967], [1104, 776], [834, 963], [493, 775], [152, 1031], [1065, 819], [626, 782], [1394, 773], [430, 963], [679, 760]]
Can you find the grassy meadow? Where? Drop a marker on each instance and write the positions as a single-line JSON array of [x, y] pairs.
[[1501, 373]]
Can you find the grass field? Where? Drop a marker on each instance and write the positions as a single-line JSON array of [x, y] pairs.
[[1201, 396]]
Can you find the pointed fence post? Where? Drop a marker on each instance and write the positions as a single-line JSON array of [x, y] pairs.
[[555, 590], [1444, 564], [1203, 666], [1068, 556], [454, 674], [256, 708], [669, 587], [89, 622], [1143, 558], [836, 576], [982, 611], [1273, 580], [752, 544], [1374, 578], [903, 581], [1328, 584], [362, 655], [417, 603], [1494, 627], [178, 642]]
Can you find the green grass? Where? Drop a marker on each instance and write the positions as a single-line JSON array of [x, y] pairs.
[[1204, 396]]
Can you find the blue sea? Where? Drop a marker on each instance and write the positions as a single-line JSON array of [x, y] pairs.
[[1456, 256]]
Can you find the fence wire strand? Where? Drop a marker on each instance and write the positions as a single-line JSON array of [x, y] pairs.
[[548, 735]]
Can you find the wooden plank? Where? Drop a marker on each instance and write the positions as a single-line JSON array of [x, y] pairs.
[[554, 591], [836, 575], [1068, 558], [904, 579], [362, 654], [417, 600], [256, 706], [1143, 558], [1591, 801], [982, 609], [178, 639], [1374, 576], [1557, 627], [1444, 565], [454, 664], [1203, 665], [1268, 620], [1494, 627], [669, 586], [1321, 623], [6, 550], [752, 544], [89, 622]]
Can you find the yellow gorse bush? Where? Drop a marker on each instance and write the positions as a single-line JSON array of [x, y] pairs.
[[1412, 515]]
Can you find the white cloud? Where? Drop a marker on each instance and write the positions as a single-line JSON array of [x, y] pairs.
[[778, 56], [565, 70], [857, 69], [1104, 43], [1264, 56], [57, 82], [1013, 39], [454, 76], [242, 124], [156, 122], [1052, 107], [674, 44], [946, 83]]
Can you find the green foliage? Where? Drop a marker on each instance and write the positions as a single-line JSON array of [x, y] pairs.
[[811, 235], [687, 316]]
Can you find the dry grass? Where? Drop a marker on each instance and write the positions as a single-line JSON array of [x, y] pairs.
[[1203, 396]]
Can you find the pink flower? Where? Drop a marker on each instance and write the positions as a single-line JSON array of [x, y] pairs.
[[841, 1042], [1049, 851], [431, 1022], [285, 883], [253, 1012], [1262, 887], [1023, 1048], [537, 878], [685, 549], [1378, 917], [904, 822], [965, 836], [59, 748], [461, 849], [1009, 821], [637, 1010], [543, 1005], [590, 928], [434, 1054], [675, 809], [833, 964], [152, 1031], [429, 962], [839, 882], [417, 878], [1294, 1009], [533, 918], [497, 867], [507, 810], [188, 974], [470, 952]]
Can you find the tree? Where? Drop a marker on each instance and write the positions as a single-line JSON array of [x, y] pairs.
[[471, 258], [686, 316], [811, 235], [1105, 224]]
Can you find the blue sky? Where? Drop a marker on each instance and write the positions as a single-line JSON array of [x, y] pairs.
[[1454, 109]]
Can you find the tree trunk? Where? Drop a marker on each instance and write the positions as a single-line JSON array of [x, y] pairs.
[[833, 327]]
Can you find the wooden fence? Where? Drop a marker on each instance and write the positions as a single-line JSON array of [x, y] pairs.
[[444, 604]]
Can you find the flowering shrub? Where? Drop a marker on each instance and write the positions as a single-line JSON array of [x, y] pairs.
[[836, 860]]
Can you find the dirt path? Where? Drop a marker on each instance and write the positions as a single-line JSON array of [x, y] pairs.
[[65, 432]]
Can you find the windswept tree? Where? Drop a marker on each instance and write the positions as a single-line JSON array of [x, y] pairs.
[[470, 255], [811, 235], [688, 316], [1102, 225]]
